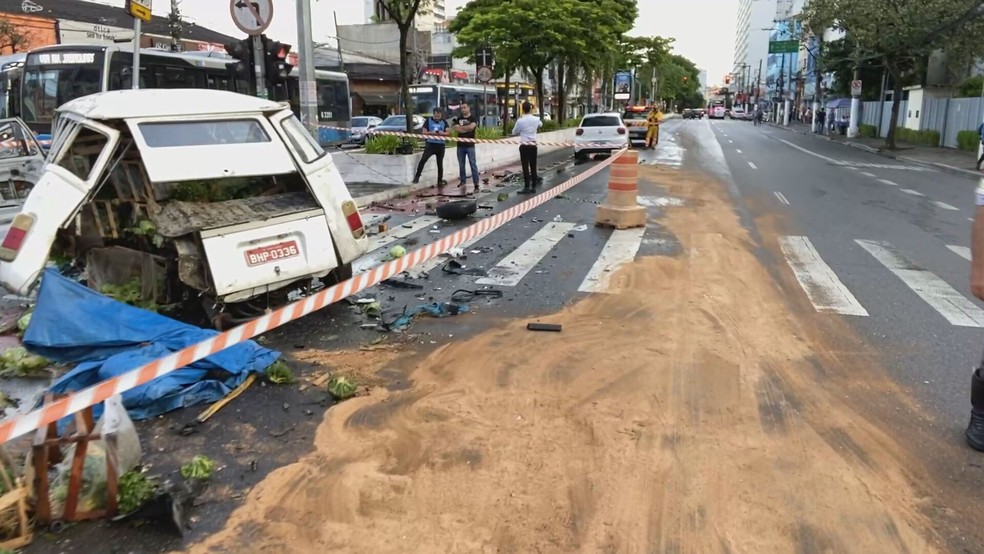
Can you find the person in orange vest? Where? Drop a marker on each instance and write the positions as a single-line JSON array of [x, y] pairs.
[[653, 121]]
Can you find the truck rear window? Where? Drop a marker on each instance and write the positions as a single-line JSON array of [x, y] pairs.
[[202, 133]]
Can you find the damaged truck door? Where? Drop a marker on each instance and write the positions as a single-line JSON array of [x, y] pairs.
[[78, 159]]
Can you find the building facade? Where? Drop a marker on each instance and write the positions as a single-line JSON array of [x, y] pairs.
[[756, 22], [429, 18]]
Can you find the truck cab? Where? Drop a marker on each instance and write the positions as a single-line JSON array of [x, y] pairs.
[[193, 194]]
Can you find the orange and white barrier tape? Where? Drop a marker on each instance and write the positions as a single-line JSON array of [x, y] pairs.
[[95, 394], [515, 141]]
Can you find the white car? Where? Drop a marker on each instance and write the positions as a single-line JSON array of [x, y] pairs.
[[600, 133], [196, 193], [738, 113], [360, 128]]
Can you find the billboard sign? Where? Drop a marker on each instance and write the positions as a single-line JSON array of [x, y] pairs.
[[623, 85]]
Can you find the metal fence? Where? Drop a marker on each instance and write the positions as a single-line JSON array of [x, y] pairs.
[[948, 116]]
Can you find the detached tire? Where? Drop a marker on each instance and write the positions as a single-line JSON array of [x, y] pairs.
[[457, 210]]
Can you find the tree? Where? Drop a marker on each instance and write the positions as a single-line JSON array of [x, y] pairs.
[[12, 37], [403, 13], [175, 25], [901, 34]]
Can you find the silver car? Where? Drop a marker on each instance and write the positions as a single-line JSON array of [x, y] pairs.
[[360, 128]]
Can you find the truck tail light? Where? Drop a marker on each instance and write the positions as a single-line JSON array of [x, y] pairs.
[[580, 131], [15, 236], [621, 130], [353, 219]]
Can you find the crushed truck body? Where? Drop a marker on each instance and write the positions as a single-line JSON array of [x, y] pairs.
[[186, 196]]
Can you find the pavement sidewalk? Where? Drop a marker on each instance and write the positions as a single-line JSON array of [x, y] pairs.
[[949, 160]]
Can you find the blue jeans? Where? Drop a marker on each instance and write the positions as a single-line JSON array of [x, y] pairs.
[[469, 152]]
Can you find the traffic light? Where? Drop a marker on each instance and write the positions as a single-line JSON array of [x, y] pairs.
[[277, 67], [242, 51]]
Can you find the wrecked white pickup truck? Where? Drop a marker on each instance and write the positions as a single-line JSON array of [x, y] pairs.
[[189, 194]]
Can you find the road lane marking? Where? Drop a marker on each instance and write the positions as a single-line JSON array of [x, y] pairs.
[[511, 270], [821, 285], [805, 151], [739, 151], [751, 165], [853, 168], [962, 251], [781, 198], [730, 141], [887, 182], [658, 201], [866, 174], [945, 206], [912, 192], [620, 249], [936, 292]]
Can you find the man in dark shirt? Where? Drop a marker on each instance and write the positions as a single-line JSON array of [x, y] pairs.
[[466, 150], [438, 127]]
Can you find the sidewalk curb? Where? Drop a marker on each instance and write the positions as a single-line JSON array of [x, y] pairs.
[[932, 165]]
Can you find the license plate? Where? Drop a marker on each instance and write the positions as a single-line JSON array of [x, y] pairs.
[[273, 253]]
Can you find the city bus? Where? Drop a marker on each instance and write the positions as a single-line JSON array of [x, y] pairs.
[[526, 93], [424, 98], [53, 75]]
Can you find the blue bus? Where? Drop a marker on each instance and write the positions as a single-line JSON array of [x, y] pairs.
[[53, 75]]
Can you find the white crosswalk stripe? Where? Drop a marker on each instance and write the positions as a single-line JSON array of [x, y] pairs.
[[936, 292], [514, 267], [620, 249], [962, 251], [822, 286], [854, 165]]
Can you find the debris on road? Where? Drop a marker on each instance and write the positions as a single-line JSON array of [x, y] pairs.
[[436, 309], [553, 327], [463, 295], [395, 283], [200, 467], [342, 388], [279, 374], [455, 267]]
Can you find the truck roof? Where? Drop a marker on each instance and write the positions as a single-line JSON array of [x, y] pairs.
[[128, 104]]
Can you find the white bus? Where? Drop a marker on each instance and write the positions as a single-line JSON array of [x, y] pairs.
[[483, 101], [53, 75]]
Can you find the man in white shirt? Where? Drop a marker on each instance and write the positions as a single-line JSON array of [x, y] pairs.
[[526, 128]]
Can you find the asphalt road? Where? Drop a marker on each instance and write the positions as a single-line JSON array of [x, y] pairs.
[[909, 273]]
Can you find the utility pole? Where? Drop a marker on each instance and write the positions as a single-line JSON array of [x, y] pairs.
[[780, 85], [787, 93], [758, 83], [852, 130], [305, 49], [818, 86]]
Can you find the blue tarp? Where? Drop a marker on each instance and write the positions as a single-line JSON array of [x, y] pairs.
[[106, 338]]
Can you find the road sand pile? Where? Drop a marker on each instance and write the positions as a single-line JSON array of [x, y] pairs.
[[686, 411]]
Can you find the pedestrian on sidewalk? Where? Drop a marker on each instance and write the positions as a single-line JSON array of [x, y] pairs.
[[437, 127], [975, 429], [980, 133], [821, 120], [466, 150], [526, 128]]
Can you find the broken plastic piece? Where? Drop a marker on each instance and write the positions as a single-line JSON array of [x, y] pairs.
[[554, 327]]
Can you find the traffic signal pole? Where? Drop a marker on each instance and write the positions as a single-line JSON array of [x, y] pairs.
[[259, 61], [305, 50]]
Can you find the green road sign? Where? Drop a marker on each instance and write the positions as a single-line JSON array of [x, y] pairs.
[[784, 46]]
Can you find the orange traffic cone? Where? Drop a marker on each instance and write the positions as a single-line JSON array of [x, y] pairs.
[[621, 209]]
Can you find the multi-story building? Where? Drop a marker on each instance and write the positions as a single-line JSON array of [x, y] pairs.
[[756, 20], [702, 78], [434, 15]]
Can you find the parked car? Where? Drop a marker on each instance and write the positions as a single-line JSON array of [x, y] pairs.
[[635, 118], [739, 114], [600, 133], [197, 195], [398, 124], [360, 128]]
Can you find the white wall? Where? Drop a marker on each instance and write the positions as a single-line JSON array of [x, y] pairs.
[[399, 170]]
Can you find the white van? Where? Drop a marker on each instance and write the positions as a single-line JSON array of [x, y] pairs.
[[195, 193]]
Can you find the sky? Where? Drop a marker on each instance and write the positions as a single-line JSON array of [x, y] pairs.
[[704, 29]]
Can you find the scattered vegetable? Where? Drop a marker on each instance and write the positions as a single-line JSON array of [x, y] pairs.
[[200, 467], [342, 387], [134, 489], [279, 374], [397, 252], [503, 196], [24, 321], [130, 293], [18, 362]]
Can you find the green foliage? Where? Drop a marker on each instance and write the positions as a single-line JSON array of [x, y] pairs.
[[488, 133], [134, 490], [200, 467], [971, 87], [18, 362], [382, 144], [921, 138], [130, 293], [968, 140], [868, 131]]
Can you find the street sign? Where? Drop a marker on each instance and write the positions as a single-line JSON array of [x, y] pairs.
[[484, 74], [855, 88], [139, 9], [784, 46], [251, 16]]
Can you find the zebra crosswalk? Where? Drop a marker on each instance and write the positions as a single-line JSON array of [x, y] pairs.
[[828, 293], [851, 164]]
